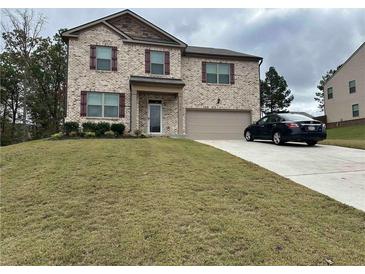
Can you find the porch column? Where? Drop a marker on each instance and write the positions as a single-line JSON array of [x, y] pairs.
[[133, 110], [180, 113]]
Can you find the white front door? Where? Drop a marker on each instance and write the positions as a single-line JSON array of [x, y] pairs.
[[154, 118]]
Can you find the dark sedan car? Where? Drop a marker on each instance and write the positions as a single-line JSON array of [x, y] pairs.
[[285, 127]]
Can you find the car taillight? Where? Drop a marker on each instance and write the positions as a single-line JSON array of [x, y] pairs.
[[292, 125]]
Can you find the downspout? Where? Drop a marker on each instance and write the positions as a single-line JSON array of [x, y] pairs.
[[260, 62]]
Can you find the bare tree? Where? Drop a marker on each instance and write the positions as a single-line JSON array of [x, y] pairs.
[[21, 35]]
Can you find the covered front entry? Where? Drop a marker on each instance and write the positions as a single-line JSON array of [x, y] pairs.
[[156, 105], [216, 124]]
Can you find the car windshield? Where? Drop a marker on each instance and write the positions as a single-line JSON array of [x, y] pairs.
[[295, 117]]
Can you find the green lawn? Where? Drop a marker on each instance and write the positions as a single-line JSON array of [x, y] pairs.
[[163, 201], [353, 137]]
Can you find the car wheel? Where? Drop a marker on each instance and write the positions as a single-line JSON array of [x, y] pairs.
[[311, 143], [277, 139], [248, 136]]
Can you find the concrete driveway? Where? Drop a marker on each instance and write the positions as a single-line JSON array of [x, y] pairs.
[[337, 172]]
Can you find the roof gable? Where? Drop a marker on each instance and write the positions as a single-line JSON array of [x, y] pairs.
[[132, 28]]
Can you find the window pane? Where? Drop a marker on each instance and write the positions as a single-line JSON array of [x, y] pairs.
[[223, 78], [157, 57], [156, 69], [103, 53], [94, 111], [352, 84], [355, 107], [94, 98], [211, 68], [211, 78], [103, 64], [223, 69], [111, 99], [110, 111]]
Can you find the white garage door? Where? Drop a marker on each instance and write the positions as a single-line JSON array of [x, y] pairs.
[[224, 125]]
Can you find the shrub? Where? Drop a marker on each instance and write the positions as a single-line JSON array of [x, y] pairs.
[[101, 128], [118, 128], [109, 134], [89, 127], [56, 136], [70, 126], [73, 134], [137, 132], [89, 134]]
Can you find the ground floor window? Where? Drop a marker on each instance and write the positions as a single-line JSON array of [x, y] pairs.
[[355, 110], [102, 104]]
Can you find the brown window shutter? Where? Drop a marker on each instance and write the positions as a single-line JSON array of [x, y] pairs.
[[122, 105], [114, 59], [204, 72], [167, 62], [92, 57], [147, 61], [83, 103], [232, 73]]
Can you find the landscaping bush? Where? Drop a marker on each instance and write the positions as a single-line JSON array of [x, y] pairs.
[[57, 136], [101, 128], [89, 127], [70, 126], [73, 134], [137, 132], [89, 134], [109, 134], [118, 128]]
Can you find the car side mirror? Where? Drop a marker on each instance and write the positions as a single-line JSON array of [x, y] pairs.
[[257, 123]]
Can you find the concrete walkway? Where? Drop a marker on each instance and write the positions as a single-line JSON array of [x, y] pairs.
[[337, 172]]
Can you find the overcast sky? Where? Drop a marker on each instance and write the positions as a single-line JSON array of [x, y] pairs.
[[302, 44]]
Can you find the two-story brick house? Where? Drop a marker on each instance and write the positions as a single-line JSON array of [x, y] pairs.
[[122, 68]]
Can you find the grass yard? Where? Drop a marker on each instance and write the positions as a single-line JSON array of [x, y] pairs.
[[353, 137], [163, 201]]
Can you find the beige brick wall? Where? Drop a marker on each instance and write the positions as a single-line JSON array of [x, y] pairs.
[[131, 59], [243, 94], [169, 104]]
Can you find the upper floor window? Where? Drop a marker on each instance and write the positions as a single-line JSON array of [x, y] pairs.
[[103, 58], [218, 73], [330, 93], [157, 62], [352, 86], [100, 104], [355, 110]]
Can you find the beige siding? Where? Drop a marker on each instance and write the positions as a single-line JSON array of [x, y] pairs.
[[339, 108]]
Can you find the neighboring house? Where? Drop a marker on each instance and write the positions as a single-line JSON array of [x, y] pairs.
[[122, 68], [344, 92]]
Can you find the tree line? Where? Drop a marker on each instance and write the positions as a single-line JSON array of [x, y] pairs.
[[33, 78]]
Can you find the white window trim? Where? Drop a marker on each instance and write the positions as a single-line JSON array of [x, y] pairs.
[[163, 62], [358, 110], [217, 83], [102, 106]]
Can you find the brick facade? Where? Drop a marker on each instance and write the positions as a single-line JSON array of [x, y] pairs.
[[242, 95]]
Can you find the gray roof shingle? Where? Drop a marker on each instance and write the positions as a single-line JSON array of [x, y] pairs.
[[193, 50]]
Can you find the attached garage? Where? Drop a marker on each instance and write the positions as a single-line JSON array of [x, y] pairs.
[[217, 124]]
